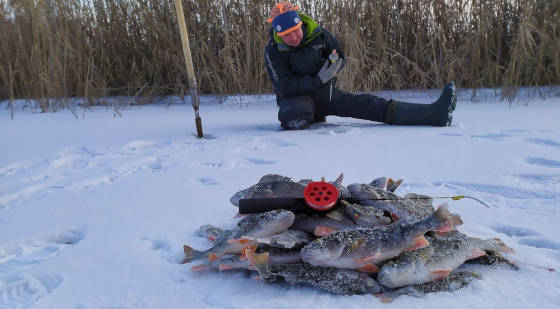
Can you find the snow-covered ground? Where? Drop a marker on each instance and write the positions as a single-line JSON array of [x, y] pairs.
[[94, 211]]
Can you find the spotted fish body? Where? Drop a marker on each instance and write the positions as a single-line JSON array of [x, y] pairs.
[[346, 217], [412, 207], [311, 223], [271, 185], [364, 249], [221, 247], [275, 256], [230, 262], [444, 255], [334, 280], [365, 216], [253, 226], [424, 202], [451, 283], [274, 185], [264, 224], [287, 240]]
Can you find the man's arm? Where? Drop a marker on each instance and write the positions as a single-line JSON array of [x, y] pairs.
[[332, 43], [285, 83]]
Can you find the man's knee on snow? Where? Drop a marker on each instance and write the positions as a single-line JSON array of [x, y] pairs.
[[296, 113]]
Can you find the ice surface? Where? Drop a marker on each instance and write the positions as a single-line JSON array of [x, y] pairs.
[[94, 211]]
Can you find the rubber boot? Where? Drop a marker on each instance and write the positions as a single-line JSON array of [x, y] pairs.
[[438, 113]]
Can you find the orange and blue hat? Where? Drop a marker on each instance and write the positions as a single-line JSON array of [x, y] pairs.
[[284, 18]]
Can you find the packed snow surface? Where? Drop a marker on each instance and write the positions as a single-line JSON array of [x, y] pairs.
[[94, 210]]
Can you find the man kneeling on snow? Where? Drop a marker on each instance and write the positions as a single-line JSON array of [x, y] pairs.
[[297, 60]]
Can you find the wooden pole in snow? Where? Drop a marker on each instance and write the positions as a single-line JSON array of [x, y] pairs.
[[193, 86]]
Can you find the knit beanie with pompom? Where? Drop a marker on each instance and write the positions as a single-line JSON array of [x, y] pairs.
[[284, 18]]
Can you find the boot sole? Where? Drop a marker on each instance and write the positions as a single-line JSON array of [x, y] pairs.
[[448, 91], [453, 103]]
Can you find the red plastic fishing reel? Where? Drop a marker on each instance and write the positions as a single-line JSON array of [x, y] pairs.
[[317, 196], [320, 195]]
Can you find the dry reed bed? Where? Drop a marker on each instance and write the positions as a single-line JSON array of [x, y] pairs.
[[51, 50]]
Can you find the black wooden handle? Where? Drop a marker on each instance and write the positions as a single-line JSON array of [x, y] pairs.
[[258, 205]]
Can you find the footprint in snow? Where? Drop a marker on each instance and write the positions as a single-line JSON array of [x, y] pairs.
[[493, 137], [540, 179], [514, 131], [260, 161], [138, 145], [281, 143], [76, 168], [503, 191], [149, 164], [207, 164], [543, 162], [65, 159], [164, 249], [539, 242], [208, 181], [20, 291], [527, 236], [72, 158], [21, 256], [21, 193], [451, 134], [543, 142], [514, 230], [13, 168]]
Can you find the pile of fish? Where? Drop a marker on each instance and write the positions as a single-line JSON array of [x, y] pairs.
[[372, 242]]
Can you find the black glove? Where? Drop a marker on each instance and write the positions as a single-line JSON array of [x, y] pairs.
[[329, 70]]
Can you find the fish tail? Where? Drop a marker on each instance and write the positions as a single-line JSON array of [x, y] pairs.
[[456, 219], [392, 185], [498, 245], [260, 261], [442, 220], [380, 182], [338, 181], [191, 254]]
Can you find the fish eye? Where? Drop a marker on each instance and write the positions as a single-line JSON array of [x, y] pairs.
[[356, 216]]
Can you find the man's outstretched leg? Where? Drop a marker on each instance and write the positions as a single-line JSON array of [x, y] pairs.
[[438, 113], [370, 107], [346, 104], [296, 113]]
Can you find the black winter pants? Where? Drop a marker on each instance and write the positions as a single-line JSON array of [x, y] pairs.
[[299, 112]]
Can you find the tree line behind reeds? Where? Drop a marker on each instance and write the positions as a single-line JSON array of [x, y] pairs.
[[56, 49]]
